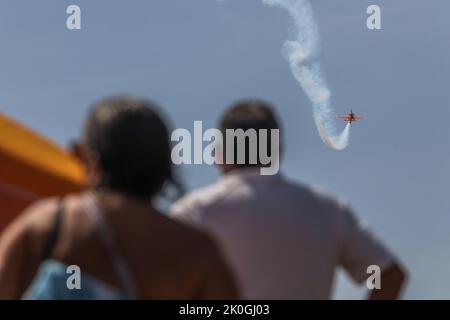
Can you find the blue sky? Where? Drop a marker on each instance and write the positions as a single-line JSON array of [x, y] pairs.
[[196, 57]]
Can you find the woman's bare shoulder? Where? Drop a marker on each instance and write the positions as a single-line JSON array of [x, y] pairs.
[[38, 218]]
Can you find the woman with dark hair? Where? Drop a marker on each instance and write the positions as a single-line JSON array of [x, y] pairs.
[[111, 237]]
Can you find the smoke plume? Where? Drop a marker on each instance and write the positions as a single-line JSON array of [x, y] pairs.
[[301, 54]]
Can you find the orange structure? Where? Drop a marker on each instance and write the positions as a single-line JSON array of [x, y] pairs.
[[32, 167]]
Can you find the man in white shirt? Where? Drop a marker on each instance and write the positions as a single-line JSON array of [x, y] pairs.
[[284, 240]]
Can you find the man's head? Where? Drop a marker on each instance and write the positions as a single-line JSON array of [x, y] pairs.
[[257, 122], [125, 143]]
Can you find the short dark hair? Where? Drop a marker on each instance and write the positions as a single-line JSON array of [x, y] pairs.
[[131, 141], [250, 114]]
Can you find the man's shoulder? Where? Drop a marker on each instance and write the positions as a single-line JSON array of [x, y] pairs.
[[313, 191], [315, 195], [326, 196], [194, 203]]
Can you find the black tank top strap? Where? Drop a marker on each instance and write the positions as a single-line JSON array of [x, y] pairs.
[[53, 237]]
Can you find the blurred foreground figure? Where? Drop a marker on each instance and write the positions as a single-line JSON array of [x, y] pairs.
[[123, 247], [283, 240]]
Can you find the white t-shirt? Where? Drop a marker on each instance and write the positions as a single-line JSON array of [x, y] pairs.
[[282, 240]]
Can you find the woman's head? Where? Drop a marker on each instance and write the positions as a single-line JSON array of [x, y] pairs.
[[126, 145]]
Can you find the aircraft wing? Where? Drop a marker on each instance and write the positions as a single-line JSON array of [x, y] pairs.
[[32, 167]]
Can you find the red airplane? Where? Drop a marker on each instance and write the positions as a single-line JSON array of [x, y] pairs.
[[351, 117]]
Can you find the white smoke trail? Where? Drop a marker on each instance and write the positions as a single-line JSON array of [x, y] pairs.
[[301, 54]]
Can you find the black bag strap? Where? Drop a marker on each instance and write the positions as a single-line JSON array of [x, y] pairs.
[[54, 232]]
